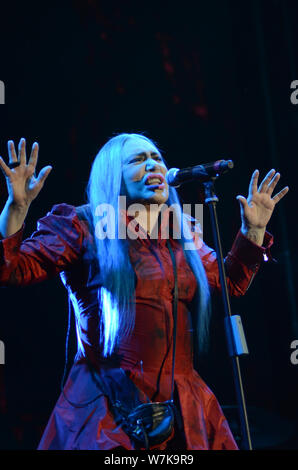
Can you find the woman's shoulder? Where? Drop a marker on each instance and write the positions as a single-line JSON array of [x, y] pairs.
[[65, 217], [69, 210], [83, 212]]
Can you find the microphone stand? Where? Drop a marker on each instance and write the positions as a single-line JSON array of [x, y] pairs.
[[233, 327]]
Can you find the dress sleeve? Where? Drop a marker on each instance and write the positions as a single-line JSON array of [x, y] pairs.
[[55, 245], [241, 263]]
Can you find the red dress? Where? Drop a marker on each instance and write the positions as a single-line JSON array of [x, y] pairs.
[[60, 245]]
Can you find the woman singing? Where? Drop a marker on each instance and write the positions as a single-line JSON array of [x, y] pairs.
[[123, 277]]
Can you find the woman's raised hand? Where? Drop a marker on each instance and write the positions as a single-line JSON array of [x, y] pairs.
[[22, 184], [257, 209]]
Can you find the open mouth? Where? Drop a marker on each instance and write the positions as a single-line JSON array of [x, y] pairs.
[[155, 179]]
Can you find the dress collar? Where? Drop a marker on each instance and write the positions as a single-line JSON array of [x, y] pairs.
[[164, 229]]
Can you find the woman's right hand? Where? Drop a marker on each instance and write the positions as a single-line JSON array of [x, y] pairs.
[[22, 184]]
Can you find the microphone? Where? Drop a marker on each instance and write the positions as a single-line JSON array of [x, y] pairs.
[[202, 173]]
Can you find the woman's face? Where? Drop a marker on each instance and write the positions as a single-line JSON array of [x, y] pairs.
[[143, 173]]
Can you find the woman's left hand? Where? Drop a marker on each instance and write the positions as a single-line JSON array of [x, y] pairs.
[[257, 209]]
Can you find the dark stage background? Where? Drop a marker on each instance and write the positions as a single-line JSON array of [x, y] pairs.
[[206, 80]]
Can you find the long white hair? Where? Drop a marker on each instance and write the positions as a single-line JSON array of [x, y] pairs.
[[117, 277]]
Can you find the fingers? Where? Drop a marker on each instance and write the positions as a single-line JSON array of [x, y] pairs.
[[6, 170], [43, 174], [253, 186], [280, 195], [13, 158], [11, 152], [243, 201], [21, 158], [264, 185], [34, 155], [273, 183], [22, 151], [269, 183]]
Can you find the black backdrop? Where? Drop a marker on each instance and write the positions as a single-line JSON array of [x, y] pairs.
[[206, 80]]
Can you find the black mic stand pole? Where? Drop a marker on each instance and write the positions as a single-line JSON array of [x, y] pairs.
[[233, 326]]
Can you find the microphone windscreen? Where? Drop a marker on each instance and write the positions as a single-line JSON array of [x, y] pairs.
[[171, 175]]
